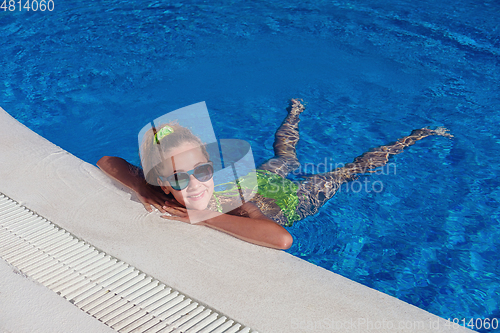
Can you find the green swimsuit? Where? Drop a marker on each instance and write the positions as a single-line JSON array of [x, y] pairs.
[[282, 190], [272, 190]]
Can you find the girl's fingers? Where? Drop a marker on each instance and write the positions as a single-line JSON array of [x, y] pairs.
[[172, 211], [147, 204], [148, 207], [159, 207], [177, 213]]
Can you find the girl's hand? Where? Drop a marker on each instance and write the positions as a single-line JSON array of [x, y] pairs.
[[149, 196], [133, 178], [188, 215]]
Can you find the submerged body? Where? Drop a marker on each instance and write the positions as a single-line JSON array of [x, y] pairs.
[[286, 202]]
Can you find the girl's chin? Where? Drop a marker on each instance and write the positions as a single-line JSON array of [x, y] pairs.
[[197, 206]]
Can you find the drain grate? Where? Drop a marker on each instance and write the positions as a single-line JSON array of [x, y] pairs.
[[110, 290]]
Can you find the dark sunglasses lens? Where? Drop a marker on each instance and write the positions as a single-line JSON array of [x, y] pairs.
[[179, 181], [204, 172]]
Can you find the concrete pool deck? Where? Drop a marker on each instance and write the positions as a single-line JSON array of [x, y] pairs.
[[265, 289]]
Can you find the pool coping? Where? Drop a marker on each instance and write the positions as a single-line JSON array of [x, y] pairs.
[[265, 289]]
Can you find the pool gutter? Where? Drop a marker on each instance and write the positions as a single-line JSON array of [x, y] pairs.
[[265, 289]]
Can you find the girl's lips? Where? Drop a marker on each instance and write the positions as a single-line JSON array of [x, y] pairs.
[[198, 196]]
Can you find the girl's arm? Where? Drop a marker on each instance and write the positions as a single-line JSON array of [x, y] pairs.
[[264, 232], [133, 178], [257, 228]]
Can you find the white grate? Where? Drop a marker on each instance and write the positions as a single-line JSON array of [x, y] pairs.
[[108, 289]]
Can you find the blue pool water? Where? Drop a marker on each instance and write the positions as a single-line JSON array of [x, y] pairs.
[[88, 75]]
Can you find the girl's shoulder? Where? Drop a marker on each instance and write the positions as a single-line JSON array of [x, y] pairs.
[[135, 170]]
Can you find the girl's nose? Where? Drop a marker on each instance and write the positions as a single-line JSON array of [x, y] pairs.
[[193, 182]]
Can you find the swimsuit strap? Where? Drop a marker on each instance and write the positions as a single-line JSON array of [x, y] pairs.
[[219, 207]]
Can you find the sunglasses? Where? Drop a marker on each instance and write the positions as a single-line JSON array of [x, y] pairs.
[[180, 180]]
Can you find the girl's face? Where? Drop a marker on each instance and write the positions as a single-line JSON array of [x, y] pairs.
[[185, 158]]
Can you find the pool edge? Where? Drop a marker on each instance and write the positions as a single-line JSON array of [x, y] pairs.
[[71, 192]]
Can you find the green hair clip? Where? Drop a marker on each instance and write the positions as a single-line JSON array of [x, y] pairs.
[[162, 133]]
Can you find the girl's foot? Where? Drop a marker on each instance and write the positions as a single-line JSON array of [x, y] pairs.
[[296, 107], [423, 132], [443, 131]]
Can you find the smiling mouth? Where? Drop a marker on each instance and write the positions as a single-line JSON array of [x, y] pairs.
[[197, 196]]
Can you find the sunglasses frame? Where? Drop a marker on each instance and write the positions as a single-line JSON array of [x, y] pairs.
[[189, 173]]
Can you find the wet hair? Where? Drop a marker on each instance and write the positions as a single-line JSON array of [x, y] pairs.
[[152, 149]]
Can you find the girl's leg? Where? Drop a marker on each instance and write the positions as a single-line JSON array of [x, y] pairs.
[[315, 190], [286, 138]]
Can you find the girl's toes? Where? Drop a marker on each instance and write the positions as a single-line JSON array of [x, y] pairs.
[[296, 107], [443, 131]]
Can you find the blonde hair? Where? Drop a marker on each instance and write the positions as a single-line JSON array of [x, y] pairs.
[[152, 149]]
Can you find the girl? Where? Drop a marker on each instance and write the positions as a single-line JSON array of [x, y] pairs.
[[186, 190]]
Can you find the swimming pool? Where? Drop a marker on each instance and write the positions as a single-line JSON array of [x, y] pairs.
[[88, 76]]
